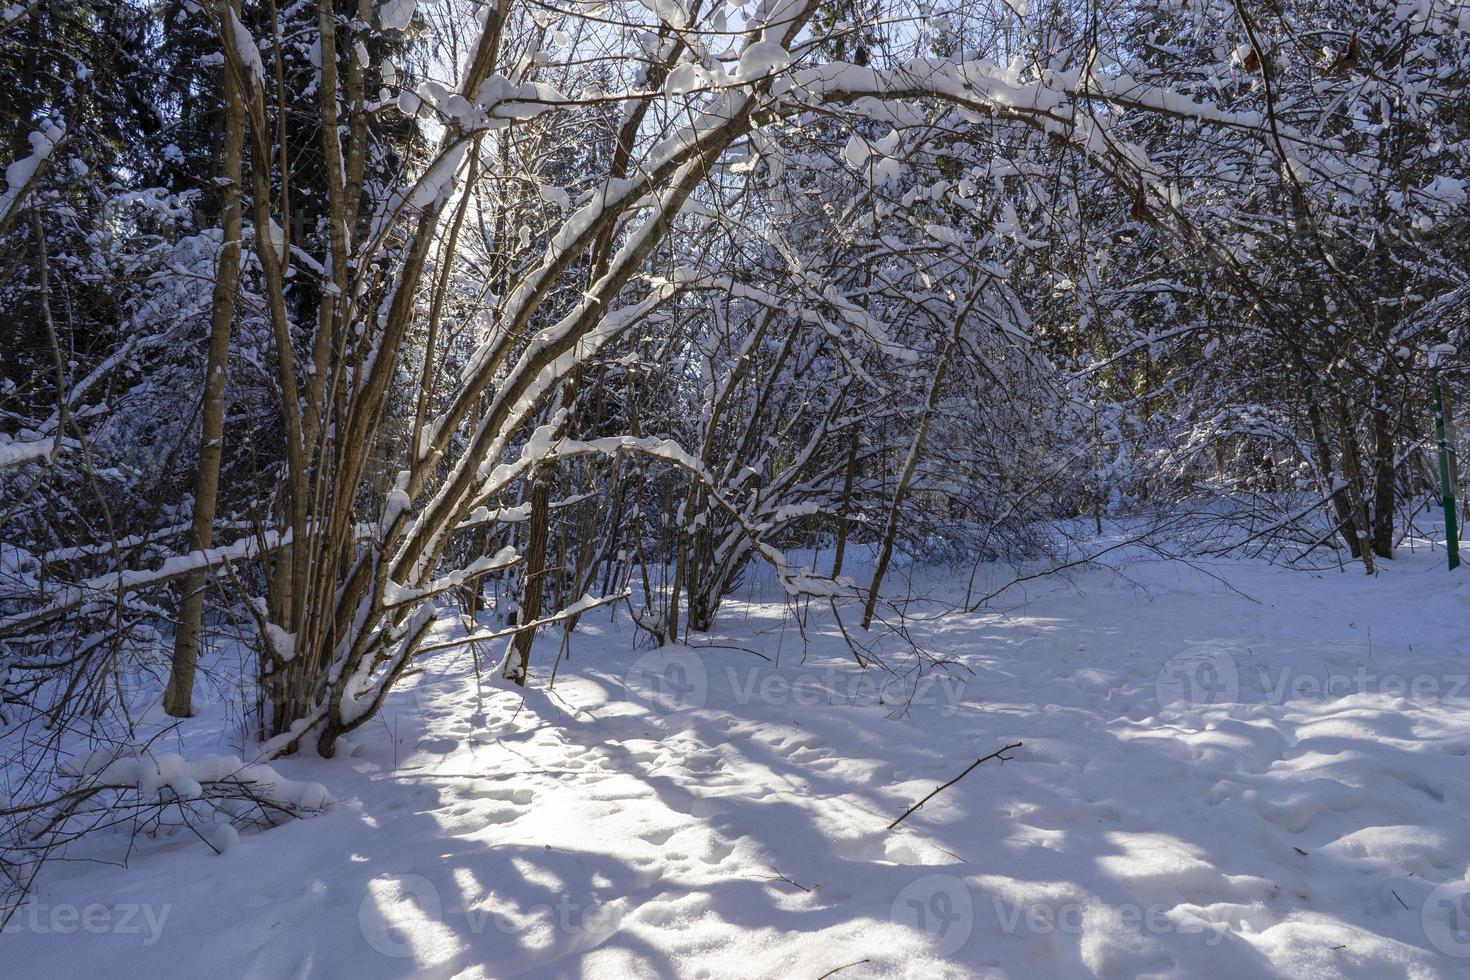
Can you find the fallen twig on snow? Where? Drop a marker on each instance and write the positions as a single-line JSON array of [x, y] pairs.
[[778, 876], [997, 754]]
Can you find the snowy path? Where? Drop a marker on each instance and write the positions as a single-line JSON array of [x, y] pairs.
[[1217, 783]]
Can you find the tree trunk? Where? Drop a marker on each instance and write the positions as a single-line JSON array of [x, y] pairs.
[[178, 698], [1353, 472], [1342, 510], [852, 448], [517, 662], [1384, 494], [910, 464]]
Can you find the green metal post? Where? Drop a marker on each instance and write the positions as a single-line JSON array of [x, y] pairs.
[[1446, 484]]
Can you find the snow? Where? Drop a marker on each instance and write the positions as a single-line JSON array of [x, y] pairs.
[[14, 452], [1227, 769], [1043, 99], [276, 236], [1448, 190], [670, 12], [395, 15], [685, 78], [65, 598], [762, 59], [22, 171], [149, 774], [248, 51], [555, 195], [505, 99], [438, 182]]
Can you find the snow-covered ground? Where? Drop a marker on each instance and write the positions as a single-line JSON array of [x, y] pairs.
[[1227, 770]]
